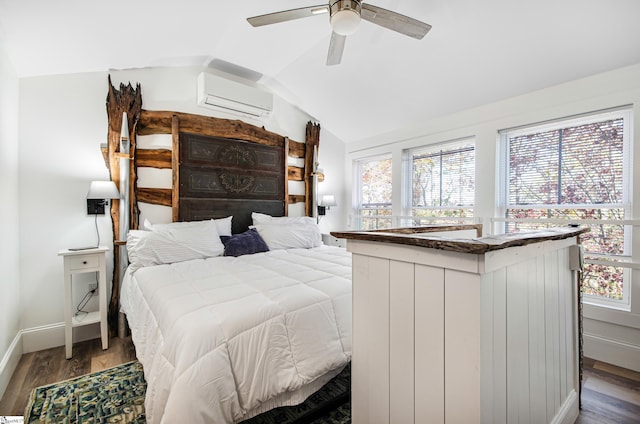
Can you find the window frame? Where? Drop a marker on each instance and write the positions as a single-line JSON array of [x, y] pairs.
[[624, 112], [448, 147], [358, 215]]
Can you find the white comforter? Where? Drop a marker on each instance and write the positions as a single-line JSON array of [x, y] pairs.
[[223, 339]]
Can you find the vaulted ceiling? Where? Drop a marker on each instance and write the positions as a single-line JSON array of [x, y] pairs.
[[476, 53]]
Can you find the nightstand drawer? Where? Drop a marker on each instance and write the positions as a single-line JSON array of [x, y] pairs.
[[83, 262]]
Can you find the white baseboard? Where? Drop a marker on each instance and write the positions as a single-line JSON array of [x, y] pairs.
[[39, 338], [43, 337], [569, 410], [612, 352], [48, 336], [9, 362]]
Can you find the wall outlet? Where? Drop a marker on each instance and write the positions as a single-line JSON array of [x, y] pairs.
[[93, 286]]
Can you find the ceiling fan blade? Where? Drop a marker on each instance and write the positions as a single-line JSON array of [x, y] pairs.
[[336, 47], [287, 15], [395, 21]]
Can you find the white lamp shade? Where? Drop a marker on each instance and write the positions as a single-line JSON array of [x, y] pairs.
[[345, 22], [328, 200], [103, 190]]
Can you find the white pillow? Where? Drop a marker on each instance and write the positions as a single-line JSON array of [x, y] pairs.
[[291, 236], [261, 218], [171, 245], [223, 225]]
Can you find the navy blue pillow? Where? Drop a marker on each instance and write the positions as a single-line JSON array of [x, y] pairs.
[[245, 244]]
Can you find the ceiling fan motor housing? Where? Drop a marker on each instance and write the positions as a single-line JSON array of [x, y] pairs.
[[345, 16]]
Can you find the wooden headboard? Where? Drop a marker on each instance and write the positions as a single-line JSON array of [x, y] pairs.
[[220, 167], [219, 177]]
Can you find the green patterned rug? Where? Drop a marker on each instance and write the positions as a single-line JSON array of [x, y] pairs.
[[117, 395]]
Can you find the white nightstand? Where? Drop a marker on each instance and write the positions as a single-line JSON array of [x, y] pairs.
[[330, 240], [77, 262]]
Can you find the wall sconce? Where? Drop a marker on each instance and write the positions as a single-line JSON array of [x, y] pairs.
[[325, 204], [98, 195]]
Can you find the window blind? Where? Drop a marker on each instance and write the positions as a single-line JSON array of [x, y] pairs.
[[577, 165], [443, 177]]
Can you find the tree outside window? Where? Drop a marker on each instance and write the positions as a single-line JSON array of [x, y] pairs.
[[574, 172], [374, 206], [442, 182]]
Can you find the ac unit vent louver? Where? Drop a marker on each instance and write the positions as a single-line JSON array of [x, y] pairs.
[[234, 97]]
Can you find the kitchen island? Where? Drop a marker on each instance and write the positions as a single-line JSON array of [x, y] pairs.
[[452, 327]]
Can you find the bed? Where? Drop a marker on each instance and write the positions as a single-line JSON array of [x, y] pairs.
[[224, 338], [234, 306]]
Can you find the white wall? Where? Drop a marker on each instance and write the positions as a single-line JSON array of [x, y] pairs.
[[63, 121], [613, 336], [9, 240], [331, 159]]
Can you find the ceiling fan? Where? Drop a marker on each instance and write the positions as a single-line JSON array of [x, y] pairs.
[[344, 16]]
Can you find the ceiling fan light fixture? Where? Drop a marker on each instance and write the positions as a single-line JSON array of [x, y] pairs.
[[345, 22], [345, 16]]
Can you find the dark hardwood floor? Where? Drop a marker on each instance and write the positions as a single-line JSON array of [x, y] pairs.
[[609, 394]]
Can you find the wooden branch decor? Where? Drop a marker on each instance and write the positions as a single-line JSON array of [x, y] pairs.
[[159, 122], [175, 172], [129, 100], [312, 141]]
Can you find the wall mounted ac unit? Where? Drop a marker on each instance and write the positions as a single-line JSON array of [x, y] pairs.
[[226, 95]]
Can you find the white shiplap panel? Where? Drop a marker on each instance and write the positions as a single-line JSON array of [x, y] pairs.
[[429, 344], [552, 335], [563, 263], [462, 347], [401, 342], [504, 258], [572, 345], [573, 369], [517, 344], [370, 359], [360, 328], [416, 254], [499, 341], [537, 357], [487, 381], [571, 322], [378, 341]]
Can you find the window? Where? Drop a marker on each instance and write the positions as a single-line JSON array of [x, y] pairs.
[[440, 183], [576, 171], [373, 194]]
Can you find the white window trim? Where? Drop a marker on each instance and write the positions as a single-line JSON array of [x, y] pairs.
[[499, 226], [407, 182], [356, 217]]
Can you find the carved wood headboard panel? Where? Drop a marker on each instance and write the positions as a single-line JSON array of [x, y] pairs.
[[221, 177]]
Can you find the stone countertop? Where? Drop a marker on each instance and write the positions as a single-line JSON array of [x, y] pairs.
[[419, 236]]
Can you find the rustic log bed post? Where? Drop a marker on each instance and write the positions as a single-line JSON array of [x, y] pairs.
[[129, 100], [312, 141]]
